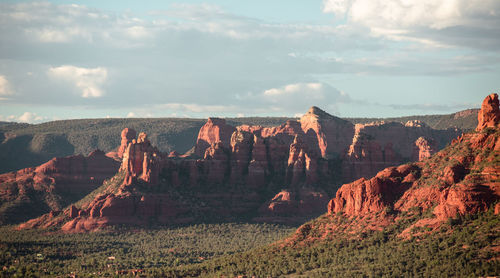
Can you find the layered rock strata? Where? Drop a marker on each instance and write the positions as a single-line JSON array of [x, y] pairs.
[[234, 172], [463, 178]]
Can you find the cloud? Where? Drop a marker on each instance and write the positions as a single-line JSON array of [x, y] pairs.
[[310, 90], [26, 117], [29, 117], [294, 98], [88, 80], [200, 60], [5, 88], [57, 35], [435, 23]]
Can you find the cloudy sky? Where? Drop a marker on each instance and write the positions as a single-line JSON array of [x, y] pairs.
[[353, 58]]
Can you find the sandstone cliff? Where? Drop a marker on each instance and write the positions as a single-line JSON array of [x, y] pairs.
[[285, 173], [463, 178], [52, 186]]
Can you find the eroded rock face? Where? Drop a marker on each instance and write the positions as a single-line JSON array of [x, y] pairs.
[[128, 134], [376, 194], [327, 135], [461, 179], [141, 161], [52, 185], [214, 131], [424, 148], [125, 208], [241, 153], [232, 172], [378, 145], [489, 115], [288, 205]]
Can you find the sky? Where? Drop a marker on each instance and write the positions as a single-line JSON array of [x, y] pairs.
[[352, 58]]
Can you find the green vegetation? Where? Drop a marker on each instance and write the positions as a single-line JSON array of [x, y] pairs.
[[35, 253], [465, 120], [463, 247], [23, 145]]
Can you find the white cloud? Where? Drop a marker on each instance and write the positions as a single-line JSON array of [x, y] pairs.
[[207, 61], [88, 80], [26, 117], [5, 88], [57, 35], [297, 97], [138, 32], [315, 91], [394, 14], [197, 108], [450, 22], [131, 115]]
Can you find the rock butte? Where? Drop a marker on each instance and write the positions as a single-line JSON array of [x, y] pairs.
[[236, 171], [53, 185], [463, 178]]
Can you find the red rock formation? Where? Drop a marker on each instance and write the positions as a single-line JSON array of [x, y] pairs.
[[326, 134], [231, 167], [460, 179], [127, 135], [121, 208], [376, 194], [216, 163], [141, 161], [54, 184], [424, 148], [241, 153], [290, 205], [302, 165], [489, 115], [378, 145], [214, 131], [258, 168]]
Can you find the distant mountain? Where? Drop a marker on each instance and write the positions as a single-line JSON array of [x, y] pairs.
[[284, 173], [465, 120], [24, 145]]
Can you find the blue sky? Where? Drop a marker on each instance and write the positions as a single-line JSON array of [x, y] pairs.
[[353, 58]]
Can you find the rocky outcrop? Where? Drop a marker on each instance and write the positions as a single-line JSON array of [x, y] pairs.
[[302, 163], [424, 148], [292, 206], [378, 145], [489, 115], [376, 194], [241, 153], [124, 208], [128, 134], [141, 161], [53, 185], [327, 135], [214, 131], [461, 179], [234, 172]]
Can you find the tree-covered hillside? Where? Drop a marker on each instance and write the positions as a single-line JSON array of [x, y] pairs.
[[465, 120], [25, 145]]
